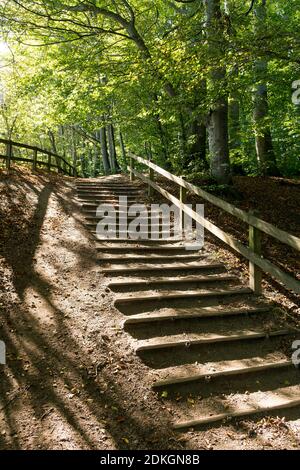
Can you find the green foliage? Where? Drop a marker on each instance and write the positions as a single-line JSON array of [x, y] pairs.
[[81, 69]]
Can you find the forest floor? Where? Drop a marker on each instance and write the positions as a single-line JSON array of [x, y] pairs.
[[71, 376]]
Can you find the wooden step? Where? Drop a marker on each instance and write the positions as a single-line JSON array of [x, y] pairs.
[[192, 372], [195, 339], [142, 243], [92, 202], [105, 199], [109, 193], [173, 280], [185, 295], [92, 211], [254, 403], [148, 225], [156, 221], [150, 257], [191, 312], [109, 186], [115, 199], [161, 268], [143, 236], [107, 189], [125, 248]]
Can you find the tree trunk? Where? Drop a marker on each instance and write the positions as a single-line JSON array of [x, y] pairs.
[[74, 148], [218, 117], [97, 164], [123, 149], [112, 148], [105, 156], [263, 139], [54, 150]]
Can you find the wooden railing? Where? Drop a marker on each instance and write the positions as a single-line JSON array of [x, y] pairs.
[[52, 160], [257, 226]]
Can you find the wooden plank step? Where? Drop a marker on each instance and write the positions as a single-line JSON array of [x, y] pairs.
[[105, 199], [255, 403], [109, 193], [144, 236], [123, 247], [121, 191], [106, 195], [124, 214], [170, 295], [109, 186], [173, 280], [194, 339], [90, 204], [92, 210], [161, 268], [191, 312], [110, 197], [148, 257], [192, 372], [110, 189], [146, 243]]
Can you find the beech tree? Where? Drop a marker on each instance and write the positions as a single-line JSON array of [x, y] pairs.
[[206, 82]]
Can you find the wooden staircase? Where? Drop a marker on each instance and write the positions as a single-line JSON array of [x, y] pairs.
[[214, 349]]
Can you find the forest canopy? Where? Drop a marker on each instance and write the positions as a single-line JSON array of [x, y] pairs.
[[199, 86]]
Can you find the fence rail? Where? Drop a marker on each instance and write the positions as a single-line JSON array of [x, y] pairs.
[[53, 160], [257, 226]]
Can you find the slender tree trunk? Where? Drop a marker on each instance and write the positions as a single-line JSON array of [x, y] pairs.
[[54, 149], [218, 116], [123, 149], [263, 138], [74, 147], [97, 166], [61, 134], [105, 156], [83, 160], [112, 148]]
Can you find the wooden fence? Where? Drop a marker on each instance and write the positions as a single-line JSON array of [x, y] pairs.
[[257, 226], [51, 160]]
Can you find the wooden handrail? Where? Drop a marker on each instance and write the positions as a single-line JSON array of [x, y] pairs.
[[9, 157], [252, 220], [259, 225]]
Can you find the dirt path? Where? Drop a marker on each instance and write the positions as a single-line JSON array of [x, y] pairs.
[[71, 376]]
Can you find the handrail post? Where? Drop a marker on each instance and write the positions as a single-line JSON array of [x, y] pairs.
[[131, 165], [8, 154], [255, 273], [183, 201], [34, 162]]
